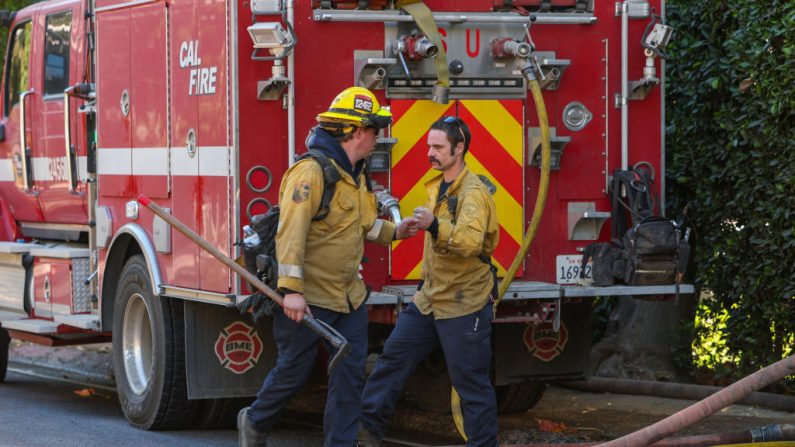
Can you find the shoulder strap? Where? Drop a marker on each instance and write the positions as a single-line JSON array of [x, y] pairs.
[[368, 179], [330, 178]]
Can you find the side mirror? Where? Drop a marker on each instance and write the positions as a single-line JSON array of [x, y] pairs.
[[2, 132]]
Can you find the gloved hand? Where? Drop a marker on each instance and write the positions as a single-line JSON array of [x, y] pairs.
[[259, 305]]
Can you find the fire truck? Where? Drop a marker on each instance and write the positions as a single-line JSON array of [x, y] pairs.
[[202, 106]]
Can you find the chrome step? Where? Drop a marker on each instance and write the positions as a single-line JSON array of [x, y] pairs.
[[33, 326], [523, 290], [16, 247], [82, 321], [11, 316], [65, 251]]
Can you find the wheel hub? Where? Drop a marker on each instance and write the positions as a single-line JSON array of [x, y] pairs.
[[137, 344]]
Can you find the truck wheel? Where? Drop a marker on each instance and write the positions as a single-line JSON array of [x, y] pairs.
[[519, 397], [214, 414], [4, 341], [430, 385], [148, 352]]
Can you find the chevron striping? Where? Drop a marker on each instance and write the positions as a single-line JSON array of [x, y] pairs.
[[407, 257], [500, 123], [411, 169], [508, 210], [505, 252], [494, 159], [413, 124]]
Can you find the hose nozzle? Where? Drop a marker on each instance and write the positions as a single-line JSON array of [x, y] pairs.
[[388, 204], [440, 94]]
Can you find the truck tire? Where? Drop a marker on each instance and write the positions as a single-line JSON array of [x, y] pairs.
[[4, 342], [215, 414], [430, 385], [148, 353], [519, 397]]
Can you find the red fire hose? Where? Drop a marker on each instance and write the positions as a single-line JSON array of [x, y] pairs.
[[708, 406]]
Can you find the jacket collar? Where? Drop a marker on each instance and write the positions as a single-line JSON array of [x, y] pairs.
[[320, 139], [432, 185]]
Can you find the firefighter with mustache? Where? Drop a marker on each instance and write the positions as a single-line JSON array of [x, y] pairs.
[[452, 308]]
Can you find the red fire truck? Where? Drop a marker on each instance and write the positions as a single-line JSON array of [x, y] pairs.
[[201, 106]]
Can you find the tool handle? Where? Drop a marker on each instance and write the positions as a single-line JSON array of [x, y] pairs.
[[217, 254], [319, 327], [329, 334]]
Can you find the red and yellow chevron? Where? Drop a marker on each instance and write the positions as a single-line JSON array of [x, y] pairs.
[[496, 151]]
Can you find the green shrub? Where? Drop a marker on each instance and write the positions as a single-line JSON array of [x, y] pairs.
[[731, 160]]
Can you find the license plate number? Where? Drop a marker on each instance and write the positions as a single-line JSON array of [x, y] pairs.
[[567, 268]]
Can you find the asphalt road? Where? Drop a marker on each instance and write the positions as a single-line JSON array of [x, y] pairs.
[[42, 412]]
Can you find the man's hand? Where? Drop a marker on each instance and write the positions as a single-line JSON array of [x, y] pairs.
[[407, 228], [295, 307], [424, 217]]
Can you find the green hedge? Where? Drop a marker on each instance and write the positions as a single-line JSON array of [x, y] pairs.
[[731, 160]]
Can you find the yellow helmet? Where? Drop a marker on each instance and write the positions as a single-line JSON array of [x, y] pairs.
[[357, 106]]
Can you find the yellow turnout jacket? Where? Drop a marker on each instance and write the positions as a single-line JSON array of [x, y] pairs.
[[456, 281], [321, 259]]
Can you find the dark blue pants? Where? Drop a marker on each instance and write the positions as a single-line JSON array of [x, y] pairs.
[[466, 343], [297, 348]]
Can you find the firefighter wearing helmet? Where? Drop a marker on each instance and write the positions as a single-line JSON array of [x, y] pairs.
[[319, 261]]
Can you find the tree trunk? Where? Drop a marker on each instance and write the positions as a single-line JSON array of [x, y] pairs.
[[639, 339]]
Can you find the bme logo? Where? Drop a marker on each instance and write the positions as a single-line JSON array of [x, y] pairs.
[[363, 103], [238, 347]]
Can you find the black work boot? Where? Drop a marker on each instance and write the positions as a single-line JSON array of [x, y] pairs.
[[247, 435], [366, 439]]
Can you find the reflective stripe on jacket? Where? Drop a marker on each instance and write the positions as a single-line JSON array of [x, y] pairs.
[[321, 259], [457, 281]]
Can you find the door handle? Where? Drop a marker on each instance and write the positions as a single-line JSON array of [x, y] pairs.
[[67, 136], [23, 143]]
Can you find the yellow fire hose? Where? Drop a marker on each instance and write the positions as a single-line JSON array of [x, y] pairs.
[[423, 17], [762, 444], [532, 230]]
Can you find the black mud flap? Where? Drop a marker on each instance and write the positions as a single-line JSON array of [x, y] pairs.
[[536, 352], [226, 355]]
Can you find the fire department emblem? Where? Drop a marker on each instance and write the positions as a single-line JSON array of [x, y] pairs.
[[238, 347], [543, 342]]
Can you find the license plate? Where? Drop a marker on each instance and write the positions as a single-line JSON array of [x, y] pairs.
[[567, 268]]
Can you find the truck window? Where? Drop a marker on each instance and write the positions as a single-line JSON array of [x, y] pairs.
[[56, 53], [17, 65]]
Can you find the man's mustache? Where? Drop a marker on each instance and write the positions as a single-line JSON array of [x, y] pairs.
[[433, 160]]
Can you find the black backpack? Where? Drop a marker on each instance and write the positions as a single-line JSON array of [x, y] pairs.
[[645, 249], [259, 253]]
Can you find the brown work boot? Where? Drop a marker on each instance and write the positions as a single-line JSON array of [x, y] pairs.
[[247, 435], [366, 439]]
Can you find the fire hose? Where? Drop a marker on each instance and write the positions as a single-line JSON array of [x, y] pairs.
[[535, 221], [317, 326], [708, 406]]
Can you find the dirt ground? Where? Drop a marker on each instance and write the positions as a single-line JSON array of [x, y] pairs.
[[565, 415], [562, 415]]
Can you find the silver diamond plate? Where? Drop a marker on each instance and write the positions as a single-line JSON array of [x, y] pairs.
[[81, 293]]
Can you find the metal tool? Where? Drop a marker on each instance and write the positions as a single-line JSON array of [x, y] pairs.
[[317, 326]]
